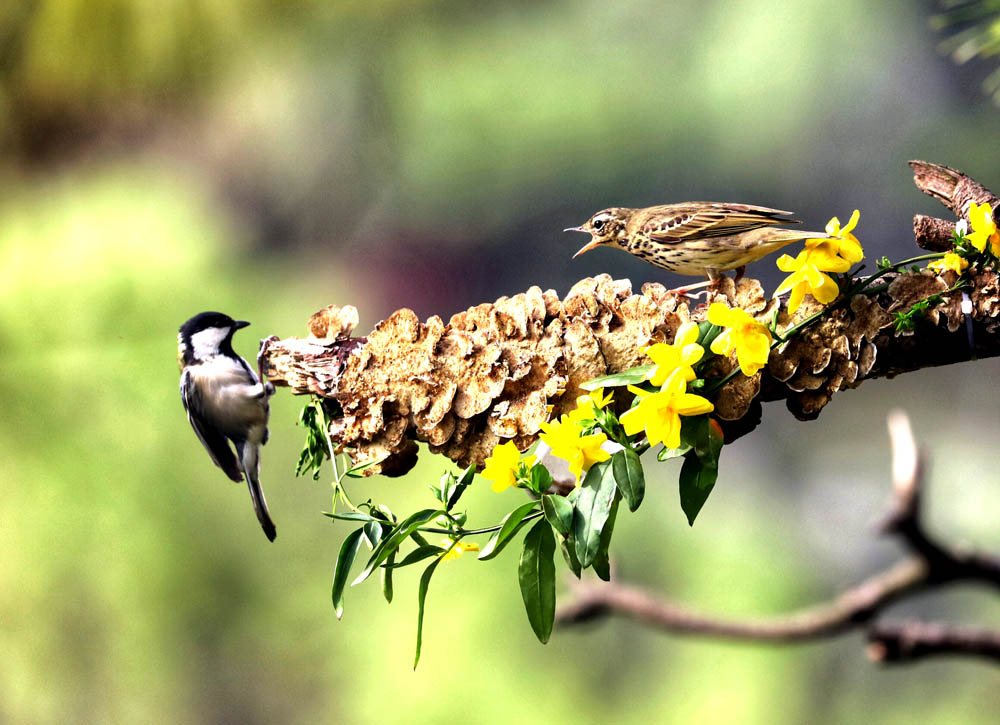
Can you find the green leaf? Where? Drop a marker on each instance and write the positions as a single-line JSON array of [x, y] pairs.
[[373, 533], [629, 477], [558, 512], [353, 471], [707, 332], [509, 526], [313, 419], [706, 440], [540, 479], [425, 580], [696, 481], [467, 476], [569, 554], [665, 454], [419, 554], [602, 562], [632, 376], [348, 550], [387, 577], [444, 488], [593, 504], [350, 516], [463, 483], [537, 575], [396, 537]]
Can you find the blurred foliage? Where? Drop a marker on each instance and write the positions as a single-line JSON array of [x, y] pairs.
[[975, 28], [268, 158]]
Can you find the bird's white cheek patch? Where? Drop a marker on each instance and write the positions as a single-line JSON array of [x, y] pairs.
[[206, 343]]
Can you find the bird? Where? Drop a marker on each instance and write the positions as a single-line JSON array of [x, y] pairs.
[[694, 238], [225, 402]]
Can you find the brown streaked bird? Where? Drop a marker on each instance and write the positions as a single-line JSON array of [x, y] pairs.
[[695, 237]]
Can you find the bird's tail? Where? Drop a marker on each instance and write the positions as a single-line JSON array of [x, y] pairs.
[[761, 242], [250, 458], [781, 237]]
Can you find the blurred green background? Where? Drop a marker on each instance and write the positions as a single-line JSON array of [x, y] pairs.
[[267, 158]]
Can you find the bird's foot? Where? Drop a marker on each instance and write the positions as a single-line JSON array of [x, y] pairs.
[[684, 291]]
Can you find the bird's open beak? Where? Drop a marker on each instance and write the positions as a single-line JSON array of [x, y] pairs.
[[587, 247], [240, 324]]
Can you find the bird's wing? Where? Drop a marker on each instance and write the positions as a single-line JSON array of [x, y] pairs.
[[215, 443], [700, 220]]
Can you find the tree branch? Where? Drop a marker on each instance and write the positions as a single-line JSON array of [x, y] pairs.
[[497, 371], [913, 640], [931, 565]]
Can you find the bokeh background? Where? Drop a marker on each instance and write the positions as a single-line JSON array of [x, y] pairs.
[[267, 158]]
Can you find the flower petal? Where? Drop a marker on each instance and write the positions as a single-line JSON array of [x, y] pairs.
[[798, 293], [789, 282], [722, 345], [851, 223], [692, 353], [827, 291], [632, 420], [691, 404], [687, 334], [719, 314]]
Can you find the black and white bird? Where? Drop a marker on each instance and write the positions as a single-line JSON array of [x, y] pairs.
[[225, 401]]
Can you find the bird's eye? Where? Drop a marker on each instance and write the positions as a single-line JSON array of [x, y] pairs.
[[598, 224]]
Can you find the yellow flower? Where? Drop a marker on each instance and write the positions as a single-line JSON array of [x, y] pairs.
[[950, 261], [502, 463], [659, 413], [808, 276], [750, 339], [984, 229], [680, 355], [581, 452], [845, 244], [460, 548], [586, 404]]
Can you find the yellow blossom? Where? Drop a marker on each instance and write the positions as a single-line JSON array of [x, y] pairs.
[[456, 551], [750, 339], [808, 274], [679, 355], [658, 414], [845, 244], [586, 404], [581, 452], [950, 261], [984, 229], [502, 463]]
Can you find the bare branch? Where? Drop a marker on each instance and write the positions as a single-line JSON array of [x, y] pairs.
[[892, 642], [933, 234], [852, 608], [932, 565], [952, 188]]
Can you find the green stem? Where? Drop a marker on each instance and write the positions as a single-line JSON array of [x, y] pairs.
[[338, 488], [867, 281], [473, 532]]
